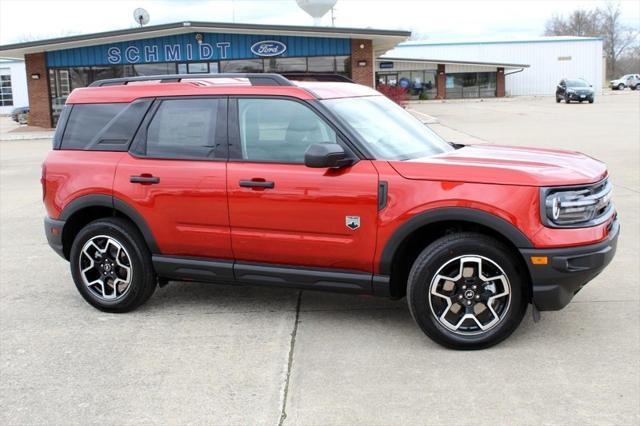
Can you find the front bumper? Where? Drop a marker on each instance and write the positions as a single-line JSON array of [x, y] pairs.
[[53, 231], [580, 97], [568, 269]]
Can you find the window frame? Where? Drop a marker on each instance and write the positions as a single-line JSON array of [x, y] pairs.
[[138, 147], [235, 143]]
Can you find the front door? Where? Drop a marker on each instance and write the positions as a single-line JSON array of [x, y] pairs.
[[283, 212], [175, 177]]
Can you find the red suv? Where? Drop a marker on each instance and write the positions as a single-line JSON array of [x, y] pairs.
[[255, 179]]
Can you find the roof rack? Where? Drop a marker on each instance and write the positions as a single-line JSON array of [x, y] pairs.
[[303, 76], [256, 79]]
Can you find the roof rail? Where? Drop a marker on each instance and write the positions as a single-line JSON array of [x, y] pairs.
[[256, 79], [303, 76]]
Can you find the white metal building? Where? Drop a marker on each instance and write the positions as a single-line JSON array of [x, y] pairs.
[[13, 86], [549, 59]]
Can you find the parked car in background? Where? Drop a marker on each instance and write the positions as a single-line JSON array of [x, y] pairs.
[[629, 80], [574, 90], [20, 114]]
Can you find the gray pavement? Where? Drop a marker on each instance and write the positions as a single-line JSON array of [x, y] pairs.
[[207, 354]]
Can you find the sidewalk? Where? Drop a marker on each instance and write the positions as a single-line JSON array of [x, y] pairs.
[[12, 131]]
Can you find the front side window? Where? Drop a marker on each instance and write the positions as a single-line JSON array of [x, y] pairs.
[[183, 128], [279, 130], [388, 131]]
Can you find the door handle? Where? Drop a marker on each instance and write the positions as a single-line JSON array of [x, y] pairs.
[[256, 184], [144, 179]]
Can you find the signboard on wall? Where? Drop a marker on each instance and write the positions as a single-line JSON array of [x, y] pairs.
[[205, 47]]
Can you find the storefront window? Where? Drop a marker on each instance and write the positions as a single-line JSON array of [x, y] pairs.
[[343, 65], [248, 65], [155, 69], [285, 65], [6, 95], [322, 64], [198, 67], [471, 85]]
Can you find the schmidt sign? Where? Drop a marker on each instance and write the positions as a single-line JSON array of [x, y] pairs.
[[186, 52]]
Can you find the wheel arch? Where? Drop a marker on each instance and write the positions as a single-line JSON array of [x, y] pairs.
[[414, 235], [88, 208]]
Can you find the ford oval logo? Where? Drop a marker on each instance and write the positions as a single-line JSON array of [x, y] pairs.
[[268, 48]]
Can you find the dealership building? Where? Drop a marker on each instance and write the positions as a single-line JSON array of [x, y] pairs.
[[55, 67], [426, 69], [487, 68]]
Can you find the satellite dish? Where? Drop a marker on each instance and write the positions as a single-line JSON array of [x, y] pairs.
[[316, 8], [141, 16]]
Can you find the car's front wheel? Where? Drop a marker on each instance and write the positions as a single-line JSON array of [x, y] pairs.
[[567, 100], [466, 291], [111, 265], [620, 86]]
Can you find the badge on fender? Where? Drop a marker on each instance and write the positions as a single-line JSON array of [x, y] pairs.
[[353, 222]]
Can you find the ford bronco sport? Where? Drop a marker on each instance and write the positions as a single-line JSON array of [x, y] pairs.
[[255, 179]]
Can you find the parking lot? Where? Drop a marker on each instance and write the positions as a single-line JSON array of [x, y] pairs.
[[207, 354]]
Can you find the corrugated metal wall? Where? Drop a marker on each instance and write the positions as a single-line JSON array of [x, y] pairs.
[[239, 47], [549, 61]]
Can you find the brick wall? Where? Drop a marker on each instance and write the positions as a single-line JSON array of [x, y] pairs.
[[500, 83], [362, 75], [39, 102], [441, 82]]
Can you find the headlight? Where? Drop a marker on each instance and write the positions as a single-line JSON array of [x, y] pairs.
[[577, 206]]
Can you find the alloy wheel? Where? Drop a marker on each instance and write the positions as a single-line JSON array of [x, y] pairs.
[[470, 295], [105, 268]]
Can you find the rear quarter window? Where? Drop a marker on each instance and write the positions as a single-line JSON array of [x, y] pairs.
[[86, 121]]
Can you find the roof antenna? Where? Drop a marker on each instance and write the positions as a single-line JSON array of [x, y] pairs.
[[141, 16]]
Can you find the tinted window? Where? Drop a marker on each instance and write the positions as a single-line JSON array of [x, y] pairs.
[[183, 128], [577, 83], [86, 121], [279, 130]]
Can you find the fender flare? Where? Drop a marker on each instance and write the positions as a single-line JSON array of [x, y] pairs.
[[446, 214], [116, 204]]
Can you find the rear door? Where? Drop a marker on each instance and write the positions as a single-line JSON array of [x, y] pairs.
[[283, 212], [175, 176]]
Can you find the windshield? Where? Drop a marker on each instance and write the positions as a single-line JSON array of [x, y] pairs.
[[390, 132], [577, 83]]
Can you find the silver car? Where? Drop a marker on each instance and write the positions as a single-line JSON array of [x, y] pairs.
[[629, 80]]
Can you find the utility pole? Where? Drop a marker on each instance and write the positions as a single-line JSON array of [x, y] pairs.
[[333, 18]]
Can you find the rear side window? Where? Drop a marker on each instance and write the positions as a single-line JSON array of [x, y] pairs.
[[86, 121], [184, 128]]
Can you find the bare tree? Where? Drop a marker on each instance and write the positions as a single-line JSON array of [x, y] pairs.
[[605, 23], [617, 37], [579, 23]]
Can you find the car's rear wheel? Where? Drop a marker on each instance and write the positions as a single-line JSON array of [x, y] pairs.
[[111, 265], [466, 291], [633, 87]]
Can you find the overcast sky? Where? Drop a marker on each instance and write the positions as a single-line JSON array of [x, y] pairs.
[[22, 20]]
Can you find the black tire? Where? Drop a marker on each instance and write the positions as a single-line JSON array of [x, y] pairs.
[[143, 279], [633, 87], [566, 99], [591, 101], [620, 86], [558, 99], [442, 252]]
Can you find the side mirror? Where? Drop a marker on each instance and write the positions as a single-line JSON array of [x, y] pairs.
[[322, 155]]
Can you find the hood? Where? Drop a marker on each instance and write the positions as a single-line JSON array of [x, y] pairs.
[[505, 165]]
